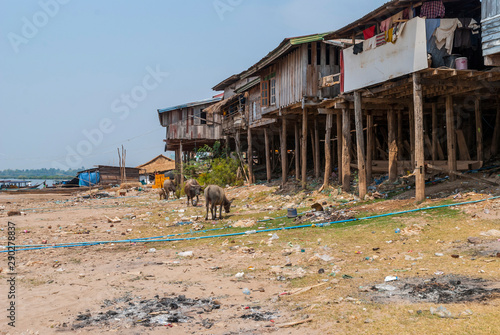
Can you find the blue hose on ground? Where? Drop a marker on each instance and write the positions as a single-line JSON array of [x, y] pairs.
[[324, 224]]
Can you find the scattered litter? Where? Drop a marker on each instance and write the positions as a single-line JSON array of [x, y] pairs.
[[240, 275], [186, 254], [390, 278]]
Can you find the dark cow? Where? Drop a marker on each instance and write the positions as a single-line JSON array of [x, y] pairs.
[[168, 186], [192, 189], [215, 196]]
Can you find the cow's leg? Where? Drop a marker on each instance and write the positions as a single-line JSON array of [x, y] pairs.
[[206, 216], [212, 209]]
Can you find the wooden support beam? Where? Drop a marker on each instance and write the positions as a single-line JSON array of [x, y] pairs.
[[339, 145], [328, 152], [400, 135], [317, 158], [360, 141], [412, 134], [346, 146], [496, 133], [393, 146], [479, 129], [284, 156], [463, 150], [450, 137], [419, 138], [268, 155], [297, 151], [369, 146], [182, 165], [250, 157], [434, 150], [304, 147], [466, 176]]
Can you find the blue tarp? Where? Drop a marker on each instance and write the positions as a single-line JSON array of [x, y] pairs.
[[88, 178]]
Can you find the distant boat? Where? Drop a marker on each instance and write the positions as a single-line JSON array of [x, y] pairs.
[[6, 185]]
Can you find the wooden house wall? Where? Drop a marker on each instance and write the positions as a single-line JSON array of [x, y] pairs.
[[185, 124], [490, 27], [111, 175], [295, 78], [255, 113]]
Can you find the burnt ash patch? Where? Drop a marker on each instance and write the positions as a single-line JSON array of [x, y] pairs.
[[149, 312], [444, 290]]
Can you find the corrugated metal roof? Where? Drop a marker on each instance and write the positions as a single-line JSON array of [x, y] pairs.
[[190, 104], [307, 39]]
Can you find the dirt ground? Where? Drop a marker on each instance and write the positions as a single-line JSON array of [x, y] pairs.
[[434, 270]]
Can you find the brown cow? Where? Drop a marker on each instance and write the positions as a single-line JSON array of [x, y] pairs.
[[168, 186], [214, 196], [192, 189]]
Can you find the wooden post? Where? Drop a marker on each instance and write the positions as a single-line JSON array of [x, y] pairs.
[[182, 165], [393, 146], [496, 132], [328, 152], [479, 129], [419, 138], [369, 146], [339, 145], [451, 137], [412, 135], [297, 152], [284, 156], [360, 141], [250, 157], [434, 132], [317, 159], [400, 135], [346, 147], [304, 147], [268, 155]]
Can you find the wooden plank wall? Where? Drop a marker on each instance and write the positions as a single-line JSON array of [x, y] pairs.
[[181, 125]]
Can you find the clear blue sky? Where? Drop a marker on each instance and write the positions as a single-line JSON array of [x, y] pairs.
[[75, 76]]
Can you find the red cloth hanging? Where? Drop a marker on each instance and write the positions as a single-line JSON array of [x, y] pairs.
[[369, 33]]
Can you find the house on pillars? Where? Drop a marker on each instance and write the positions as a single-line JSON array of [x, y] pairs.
[[420, 92], [190, 126], [278, 96]]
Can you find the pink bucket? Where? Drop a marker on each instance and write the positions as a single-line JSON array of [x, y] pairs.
[[461, 63]]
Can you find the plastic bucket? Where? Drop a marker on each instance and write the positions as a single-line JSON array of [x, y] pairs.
[[292, 213], [461, 63]]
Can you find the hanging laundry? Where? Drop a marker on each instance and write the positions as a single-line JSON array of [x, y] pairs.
[[370, 43], [430, 27], [386, 24], [369, 33], [463, 36], [398, 31], [380, 39], [388, 35], [406, 14], [358, 48], [432, 9], [474, 26], [445, 33]]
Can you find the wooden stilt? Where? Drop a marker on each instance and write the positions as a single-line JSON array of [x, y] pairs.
[[250, 157], [369, 146], [313, 148], [339, 145], [434, 133], [297, 152], [400, 135], [328, 152], [182, 165], [496, 133], [419, 138], [304, 147], [317, 159], [360, 141], [268, 155], [451, 137], [393, 146], [479, 129], [284, 156], [346, 146], [412, 135]]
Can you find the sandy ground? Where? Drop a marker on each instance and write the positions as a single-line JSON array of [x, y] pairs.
[[56, 286]]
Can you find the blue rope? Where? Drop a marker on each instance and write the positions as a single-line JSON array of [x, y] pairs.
[[324, 224]]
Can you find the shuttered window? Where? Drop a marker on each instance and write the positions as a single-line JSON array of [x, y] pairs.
[[264, 89]]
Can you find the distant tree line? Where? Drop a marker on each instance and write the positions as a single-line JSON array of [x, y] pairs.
[[39, 174]]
